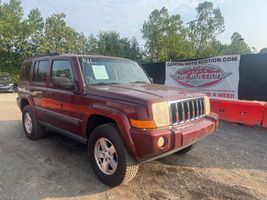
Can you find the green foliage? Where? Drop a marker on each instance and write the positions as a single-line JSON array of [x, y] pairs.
[[166, 37], [59, 37], [12, 37], [237, 46], [203, 31], [111, 44], [20, 38]]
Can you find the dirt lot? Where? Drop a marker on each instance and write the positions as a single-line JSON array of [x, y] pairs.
[[231, 164]]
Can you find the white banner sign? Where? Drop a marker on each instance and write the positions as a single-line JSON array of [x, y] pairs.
[[218, 77]]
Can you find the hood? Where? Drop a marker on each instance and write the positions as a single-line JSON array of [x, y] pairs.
[[140, 93]]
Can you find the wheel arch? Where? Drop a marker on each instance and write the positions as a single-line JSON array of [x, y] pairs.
[[95, 120], [23, 103], [24, 100], [104, 114]]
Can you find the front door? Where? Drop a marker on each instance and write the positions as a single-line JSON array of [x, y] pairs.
[[60, 101]]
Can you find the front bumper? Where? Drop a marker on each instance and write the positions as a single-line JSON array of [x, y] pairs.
[[176, 138]]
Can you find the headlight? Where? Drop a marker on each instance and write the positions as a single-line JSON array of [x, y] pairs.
[[207, 104], [161, 115]]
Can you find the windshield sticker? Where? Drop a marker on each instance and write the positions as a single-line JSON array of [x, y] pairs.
[[100, 72]]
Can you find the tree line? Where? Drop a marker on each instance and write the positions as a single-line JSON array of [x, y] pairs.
[[166, 37]]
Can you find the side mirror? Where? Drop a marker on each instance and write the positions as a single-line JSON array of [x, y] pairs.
[[64, 83], [151, 79]]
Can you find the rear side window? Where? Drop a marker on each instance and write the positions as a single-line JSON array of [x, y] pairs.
[[40, 71], [62, 68], [25, 71]]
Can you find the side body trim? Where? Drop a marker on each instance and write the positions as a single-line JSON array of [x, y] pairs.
[[65, 133], [59, 116]]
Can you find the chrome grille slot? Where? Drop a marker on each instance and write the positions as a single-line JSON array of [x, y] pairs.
[[202, 107], [197, 107], [191, 112], [182, 111]]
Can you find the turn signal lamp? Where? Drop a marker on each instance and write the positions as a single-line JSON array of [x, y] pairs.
[[143, 124]]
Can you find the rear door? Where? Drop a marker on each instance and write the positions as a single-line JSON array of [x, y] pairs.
[[39, 83]]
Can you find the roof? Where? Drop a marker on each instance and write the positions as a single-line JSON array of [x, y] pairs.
[[74, 55]]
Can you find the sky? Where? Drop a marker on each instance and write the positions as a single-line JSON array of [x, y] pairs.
[[127, 16]]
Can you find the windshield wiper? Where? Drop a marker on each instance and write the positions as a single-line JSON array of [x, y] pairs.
[[138, 82], [104, 83]]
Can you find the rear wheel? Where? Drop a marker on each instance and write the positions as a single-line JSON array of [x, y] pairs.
[[109, 157], [33, 130]]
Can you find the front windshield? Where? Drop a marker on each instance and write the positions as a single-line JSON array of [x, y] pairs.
[[111, 71]]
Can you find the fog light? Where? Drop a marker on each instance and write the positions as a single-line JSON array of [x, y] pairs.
[[161, 141]]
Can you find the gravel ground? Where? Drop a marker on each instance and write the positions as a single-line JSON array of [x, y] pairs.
[[231, 164]]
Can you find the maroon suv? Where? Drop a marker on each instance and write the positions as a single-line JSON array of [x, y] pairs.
[[110, 104]]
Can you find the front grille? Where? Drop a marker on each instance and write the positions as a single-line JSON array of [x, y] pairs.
[[186, 110]]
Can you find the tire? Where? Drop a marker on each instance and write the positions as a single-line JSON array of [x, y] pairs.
[[36, 131], [185, 150], [126, 167]]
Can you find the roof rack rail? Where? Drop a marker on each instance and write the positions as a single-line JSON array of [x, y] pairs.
[[44, 54]]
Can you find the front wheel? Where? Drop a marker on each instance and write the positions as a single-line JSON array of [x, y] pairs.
[[109, 157]]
